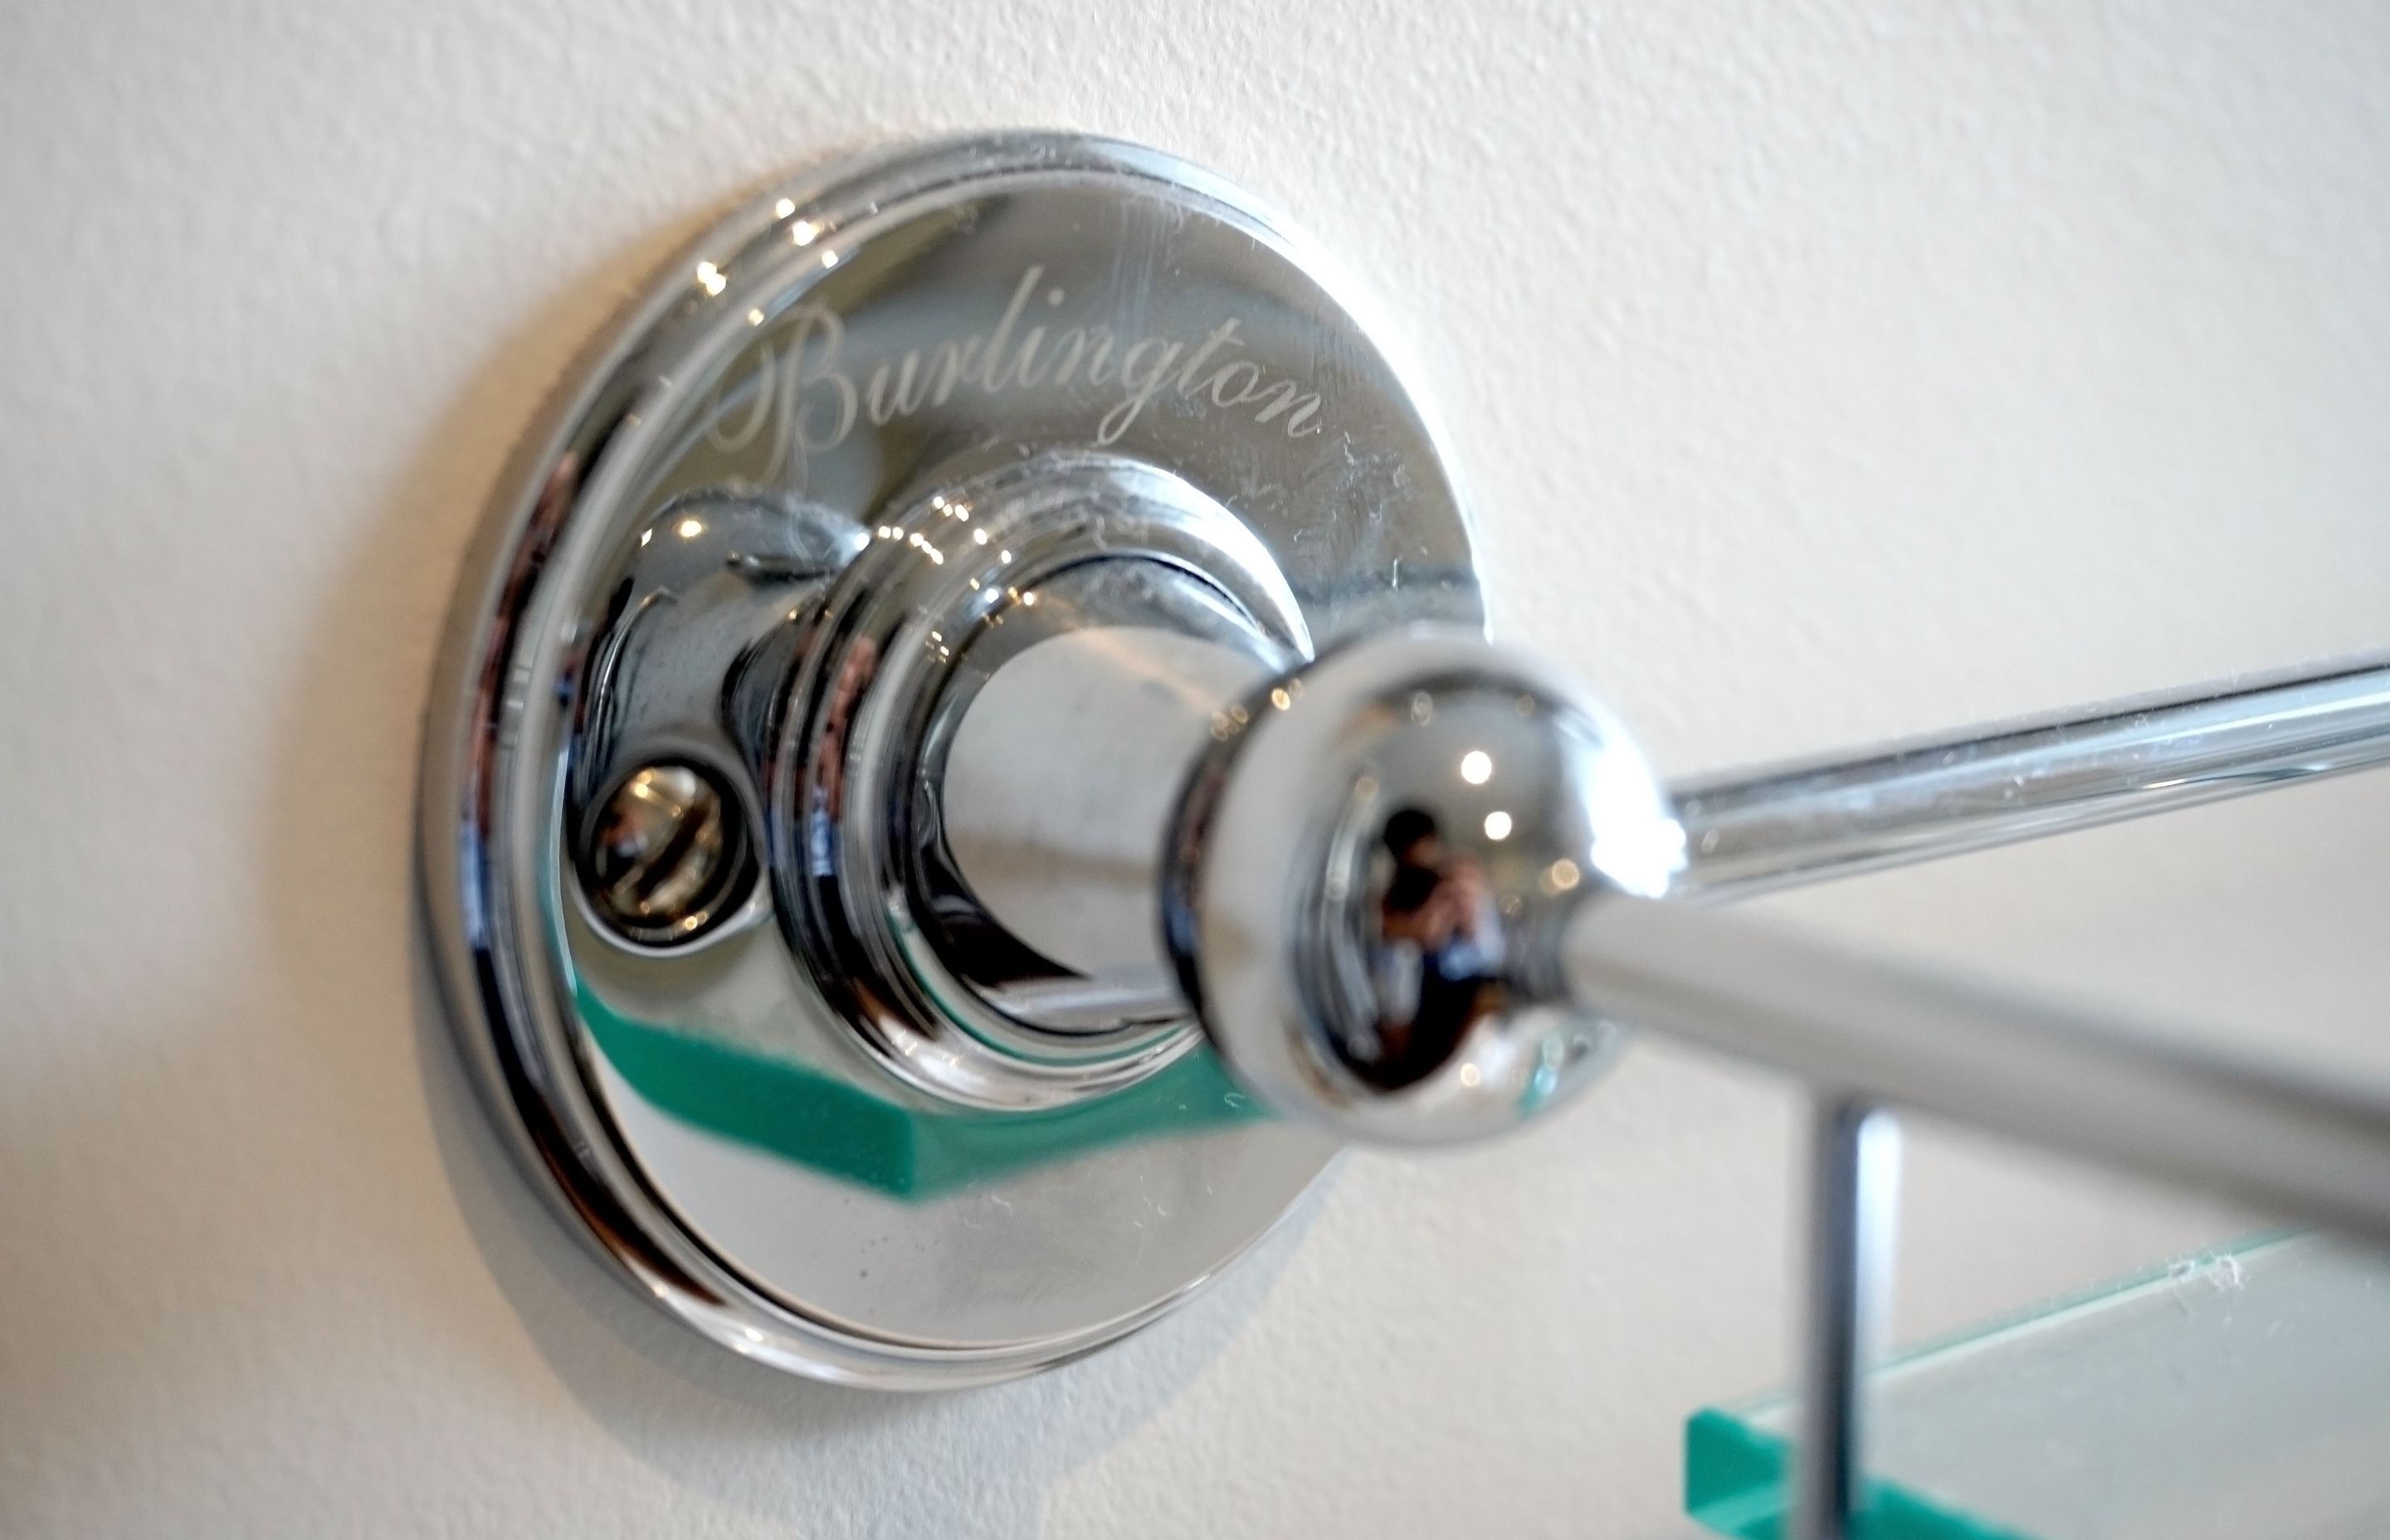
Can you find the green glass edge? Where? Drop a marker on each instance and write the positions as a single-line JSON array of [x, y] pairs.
[[1734, 1472], [844, 1131], [1735, 1486]]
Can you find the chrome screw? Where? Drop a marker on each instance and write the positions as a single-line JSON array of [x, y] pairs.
[[663, 855]]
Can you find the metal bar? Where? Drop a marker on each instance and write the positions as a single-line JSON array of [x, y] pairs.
[[1779, 827], [2079, 1081], [1846, 1309]]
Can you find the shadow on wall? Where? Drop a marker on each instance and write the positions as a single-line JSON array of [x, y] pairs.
[[814, 1457]]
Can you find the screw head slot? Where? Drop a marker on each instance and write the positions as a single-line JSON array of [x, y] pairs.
[[665, 856]]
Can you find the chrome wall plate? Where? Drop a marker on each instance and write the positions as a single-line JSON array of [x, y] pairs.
[[740, 655]]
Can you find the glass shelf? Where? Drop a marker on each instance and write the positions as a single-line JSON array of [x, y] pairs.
[[2245, 1392]]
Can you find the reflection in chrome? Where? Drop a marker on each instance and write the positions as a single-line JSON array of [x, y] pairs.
[[1366, 942]]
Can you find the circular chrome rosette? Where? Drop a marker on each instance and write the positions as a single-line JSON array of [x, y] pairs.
[[738, 653]]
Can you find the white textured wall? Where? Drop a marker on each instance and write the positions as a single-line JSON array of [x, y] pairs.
[[1823, 370]]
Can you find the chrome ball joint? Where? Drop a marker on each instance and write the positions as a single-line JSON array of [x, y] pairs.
[[1371, 875]]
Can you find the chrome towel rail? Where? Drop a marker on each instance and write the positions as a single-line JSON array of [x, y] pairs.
[[1756, 830]]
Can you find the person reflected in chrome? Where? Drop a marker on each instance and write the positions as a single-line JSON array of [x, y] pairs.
[[1439, 953]]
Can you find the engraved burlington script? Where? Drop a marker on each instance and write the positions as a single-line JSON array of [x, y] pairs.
[[808, 397]]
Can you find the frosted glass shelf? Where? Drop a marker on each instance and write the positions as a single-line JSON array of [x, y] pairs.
[[2243, 1392]]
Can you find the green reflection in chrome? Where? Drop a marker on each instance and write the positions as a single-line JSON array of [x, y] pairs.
[[844, 1131]]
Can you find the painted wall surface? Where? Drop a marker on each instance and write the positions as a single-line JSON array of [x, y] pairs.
[[1822, 371]]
